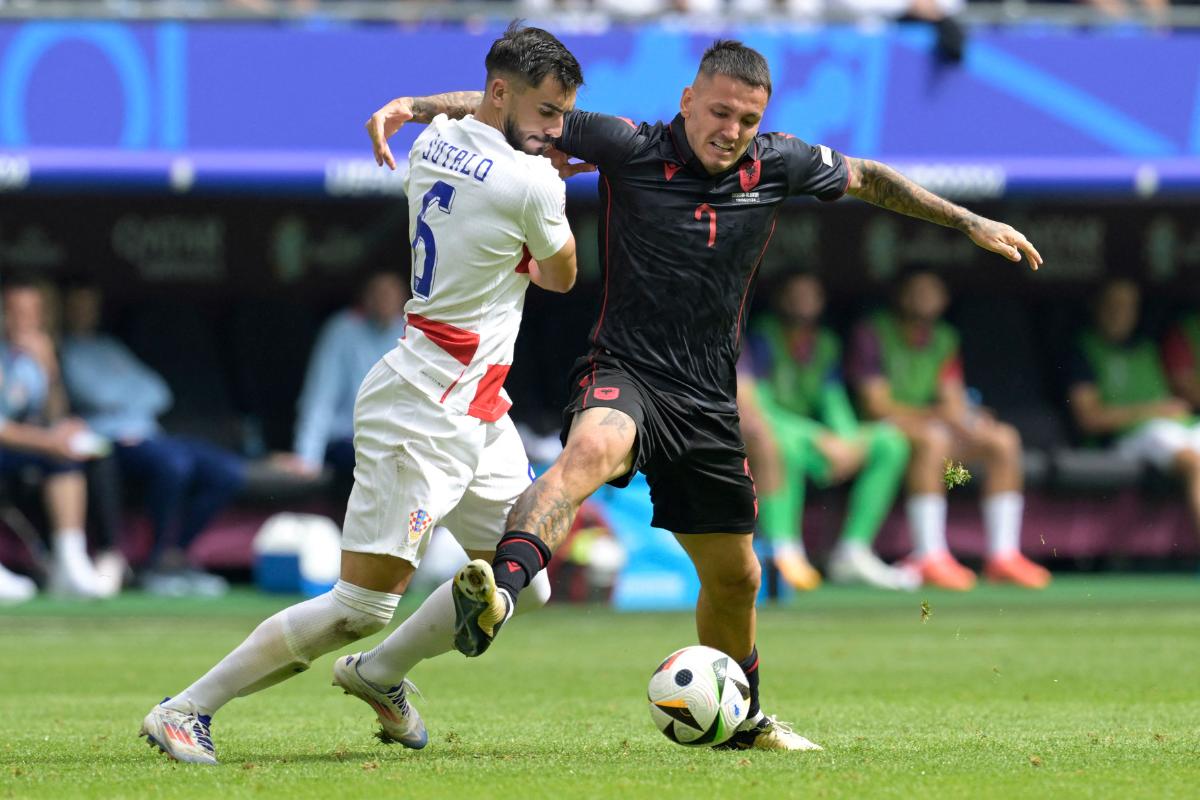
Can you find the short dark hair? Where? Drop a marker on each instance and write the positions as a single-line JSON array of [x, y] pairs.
[[735, 60], [530, 54]]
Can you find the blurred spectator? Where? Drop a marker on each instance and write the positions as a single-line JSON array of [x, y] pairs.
[[907, 370], [803, 401], [348, 346], [35, 440], [1181, 355], [1120, 394], [186, 482]]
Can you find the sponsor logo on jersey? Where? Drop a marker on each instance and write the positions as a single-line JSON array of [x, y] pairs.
[[418, 524]]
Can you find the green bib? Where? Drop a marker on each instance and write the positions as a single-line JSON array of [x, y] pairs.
[[1126, 375], [796, 385], [912, 372]]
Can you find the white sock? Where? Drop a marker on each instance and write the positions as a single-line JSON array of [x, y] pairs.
[[286, 643], [927, 522], [429, 632], [1002, 521], [70, 546]]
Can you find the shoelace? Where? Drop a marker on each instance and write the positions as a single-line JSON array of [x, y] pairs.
[[399, 695], [200, 728]]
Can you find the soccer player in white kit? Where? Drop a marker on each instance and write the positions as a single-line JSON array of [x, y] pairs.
[[433, 441]]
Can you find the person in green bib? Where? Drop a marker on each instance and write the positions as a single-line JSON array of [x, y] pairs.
[[798, 387], [1120, 393], [906, 367], [1181, 356]]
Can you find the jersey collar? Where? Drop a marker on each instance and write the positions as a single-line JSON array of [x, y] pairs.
[[688, 158]]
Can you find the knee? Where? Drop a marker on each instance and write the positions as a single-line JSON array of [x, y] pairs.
[[361, 612], [735, 584], [1006, 442], [586, 461], [174, 468], [933, 440], [890, 445]]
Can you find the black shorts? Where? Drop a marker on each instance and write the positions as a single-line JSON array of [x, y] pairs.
[[691, 453]]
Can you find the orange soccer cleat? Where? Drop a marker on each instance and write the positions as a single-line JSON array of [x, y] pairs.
[[795, 569], [943, 571], [1016, 568]]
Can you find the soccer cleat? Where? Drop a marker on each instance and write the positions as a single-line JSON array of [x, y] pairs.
[[942, 571], [74, 578], [795, 569], [855, 563], [1016, 568], [398, 720], [181, 735], [479, 608], [767, 733]]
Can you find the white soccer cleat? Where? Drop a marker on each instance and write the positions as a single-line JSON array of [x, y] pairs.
[[181, 735], [855, 563], [767, 733], [15, 588], [75, 578], [398, 719]]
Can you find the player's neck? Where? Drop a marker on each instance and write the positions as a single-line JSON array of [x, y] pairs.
[[490, 115]]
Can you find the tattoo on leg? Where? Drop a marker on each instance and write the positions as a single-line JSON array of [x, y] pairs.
[[544, 511], [615, 419]]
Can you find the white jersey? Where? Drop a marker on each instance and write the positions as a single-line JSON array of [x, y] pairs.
[[478, 210]]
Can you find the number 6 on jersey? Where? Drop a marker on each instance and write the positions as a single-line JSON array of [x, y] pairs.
[[442, 196]]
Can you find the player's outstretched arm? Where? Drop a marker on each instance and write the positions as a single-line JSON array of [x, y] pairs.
[[384, 123], [885, 187]]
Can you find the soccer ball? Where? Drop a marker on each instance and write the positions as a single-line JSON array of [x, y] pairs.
[[698, 696]]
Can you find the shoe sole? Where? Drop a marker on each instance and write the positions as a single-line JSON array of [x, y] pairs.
[[477, 582]]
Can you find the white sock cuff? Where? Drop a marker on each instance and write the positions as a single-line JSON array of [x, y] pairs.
[[381, 605]]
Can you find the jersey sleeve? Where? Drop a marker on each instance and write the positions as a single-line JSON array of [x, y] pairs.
[[812, 169], [598, 139], [544, 219]]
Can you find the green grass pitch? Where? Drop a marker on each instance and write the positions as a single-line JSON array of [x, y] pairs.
[[1090, 689]]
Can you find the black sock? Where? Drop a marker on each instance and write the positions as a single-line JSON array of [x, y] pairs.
[[750, 667], [519, 557]]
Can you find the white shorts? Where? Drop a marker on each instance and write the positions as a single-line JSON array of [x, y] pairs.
[[419, 465], [1158, 441]]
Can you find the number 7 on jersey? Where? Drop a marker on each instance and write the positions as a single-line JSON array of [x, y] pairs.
[[441, 196]]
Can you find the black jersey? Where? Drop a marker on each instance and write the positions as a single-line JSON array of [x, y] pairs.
[[680, 248]]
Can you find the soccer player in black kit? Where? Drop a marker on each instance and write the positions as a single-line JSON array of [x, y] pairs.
[[688, 208]]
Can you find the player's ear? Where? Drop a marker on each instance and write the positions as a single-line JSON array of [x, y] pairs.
[[497, 90], [685, 102]]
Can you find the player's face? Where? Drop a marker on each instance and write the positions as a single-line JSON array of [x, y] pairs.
[[1117, 311], [533, 115], [803, 300], [22, 312], [383, 298], [721, 116], [924, 298], [82, 311]]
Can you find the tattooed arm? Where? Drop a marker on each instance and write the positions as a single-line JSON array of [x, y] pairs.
[[883, 186], [384, 123]]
